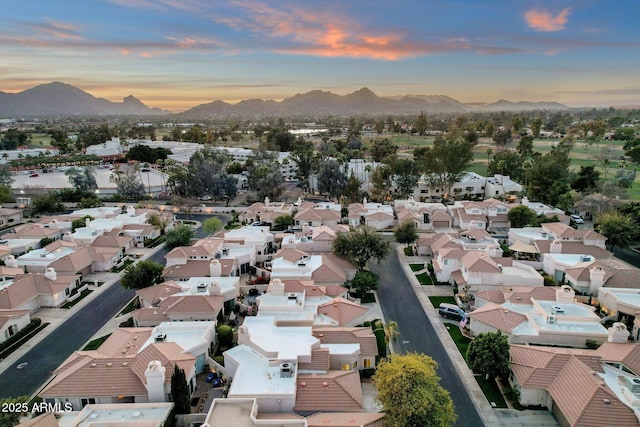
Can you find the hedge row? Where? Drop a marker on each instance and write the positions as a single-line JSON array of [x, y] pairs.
[[33, 325]]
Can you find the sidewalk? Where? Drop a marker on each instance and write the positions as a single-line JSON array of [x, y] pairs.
[[489, 418], [56, 316]]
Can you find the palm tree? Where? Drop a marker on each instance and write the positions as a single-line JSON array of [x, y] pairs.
[[390, 329], [489, 152]]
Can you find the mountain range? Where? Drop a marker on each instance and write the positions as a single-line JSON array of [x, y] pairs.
[[61, 99]]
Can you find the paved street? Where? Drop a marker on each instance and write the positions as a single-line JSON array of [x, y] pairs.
[[399, 303]]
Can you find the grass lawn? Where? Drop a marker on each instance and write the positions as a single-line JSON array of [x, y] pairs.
[[124, 265], [94, 344], [489, 387], [437, 300], [424, 279], [77, 300], [129, 307], [368, 298], [408, 251], [416, 267]]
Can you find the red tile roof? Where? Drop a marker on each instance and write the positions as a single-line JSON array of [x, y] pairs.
[[342, 310], [333, 391]]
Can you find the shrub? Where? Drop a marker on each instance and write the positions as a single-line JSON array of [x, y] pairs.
[[592, 344], [225, 335], [219, 360]]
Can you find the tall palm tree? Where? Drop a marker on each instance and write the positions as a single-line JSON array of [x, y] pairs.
[[390, 329]]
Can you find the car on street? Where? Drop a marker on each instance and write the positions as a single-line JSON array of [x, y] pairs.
[[205, 198], [33, 175], [577, 219], [452, 311]]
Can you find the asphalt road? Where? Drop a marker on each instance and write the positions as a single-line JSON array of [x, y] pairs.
[[49, 353], [399, 303]]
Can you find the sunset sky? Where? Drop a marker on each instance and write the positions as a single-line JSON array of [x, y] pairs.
[[176, 54]]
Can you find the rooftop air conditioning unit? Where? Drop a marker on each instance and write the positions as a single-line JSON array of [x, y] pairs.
[[292, 296], [285, 370], [161, 337]]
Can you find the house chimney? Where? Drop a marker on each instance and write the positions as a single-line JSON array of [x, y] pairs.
[[565, 295], [364, 201], [266, 201], [215, 269], [87, 222], [596, 278], [525, 201], [131, 211], [50, 273], [11, 261], [276, 288], [556, 247], [155, 376], [618, 333]]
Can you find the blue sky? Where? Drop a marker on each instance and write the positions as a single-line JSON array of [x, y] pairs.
[[176, 54]]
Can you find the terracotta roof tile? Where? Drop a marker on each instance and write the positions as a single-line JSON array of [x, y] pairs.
[[319, 361], [342, 310], [343, 335], [498, 317], [333, 391], [625, 353]]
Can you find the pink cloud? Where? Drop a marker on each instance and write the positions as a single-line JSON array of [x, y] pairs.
[[543, 20]]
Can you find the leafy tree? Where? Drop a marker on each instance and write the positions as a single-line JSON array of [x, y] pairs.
[[364, 282], [212, 224], [446, 161], [5, 194], [304, 157], [550, 174], [536, 126], [522, 216], [525, 146], [488, 354], [382, 148], [587, 180], [407, 174], [159, 221], [264, 176], [507, 162], [225, 335], [180, 392], [406, 233], [361, 245], [146, 154], [143, 274], [46, 241], [46, 203], [421, 123], [206, 174], [13, 138], [381, 179], [280, 139], [90, 202], [502, 137], [284, 220], [128, 183], [410, 393], [6, 178], [11, 418], [80, 222], [619, 229], [332, 179], [624, 178], [180, 235], [352, 191], [83, 181]]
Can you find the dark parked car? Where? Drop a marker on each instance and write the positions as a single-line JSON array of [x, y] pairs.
[[253, 292], [452, 311]]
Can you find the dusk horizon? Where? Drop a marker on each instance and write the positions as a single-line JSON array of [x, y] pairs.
[[177, 55]]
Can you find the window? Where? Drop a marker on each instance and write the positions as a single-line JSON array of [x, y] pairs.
[[366, 363], [346, 367], [88, 401]]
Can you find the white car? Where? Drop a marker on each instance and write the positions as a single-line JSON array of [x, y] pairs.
[[577, 219], [205, 198]]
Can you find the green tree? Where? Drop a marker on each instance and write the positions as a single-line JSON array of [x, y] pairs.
[[522, 216], [83, 181], [488, 354], [212, 224], [46, 203], [264, 176], [159, 221], [382, 179], [180, 392], [80, 222], [407, 173], [284, 220], [304, 157], [332, 179], [12, 418], [382, 148], [225, 335], [143, 274], [361, 245], [410, 393], [587, 180], [364, 282], [536, 127], [146, 154], [406, 233], [6, 178], [180, 235], [421, 123], [128, 183], [352, 191], [446, 161], [619, 229]]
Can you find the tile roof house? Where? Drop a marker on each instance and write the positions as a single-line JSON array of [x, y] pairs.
[[343, 311], [245, 412], [561, 321], [316, 239], [222, 267], [590, 276], [425, 216], [602, 392], [332, 391], [490, 214], [483, 269], [324, 268], [319, 214], [32, 291], [266, 211], [179, 308], [374, 215], [350, 335], [122, 414], [91, 377], [12, 321]]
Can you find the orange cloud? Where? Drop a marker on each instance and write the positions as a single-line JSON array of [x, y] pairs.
[[543, 20]]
